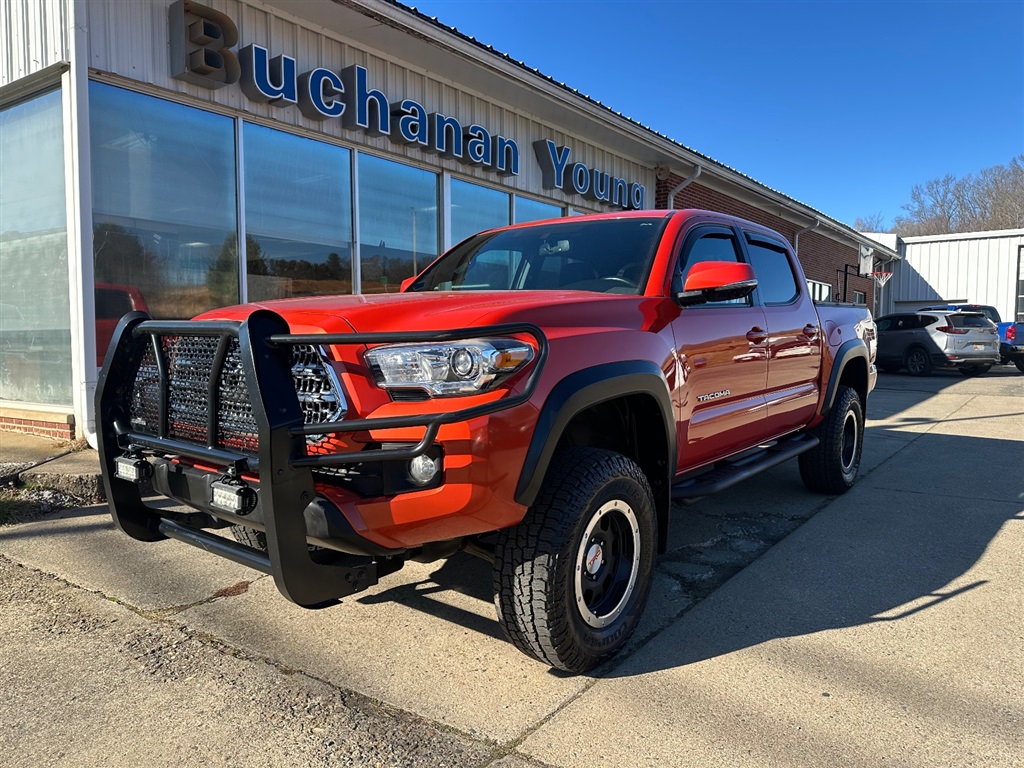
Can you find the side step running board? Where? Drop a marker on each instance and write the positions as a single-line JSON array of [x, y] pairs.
[[727, 473]]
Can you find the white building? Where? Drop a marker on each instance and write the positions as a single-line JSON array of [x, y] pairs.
[[182, 155], [971, 267]]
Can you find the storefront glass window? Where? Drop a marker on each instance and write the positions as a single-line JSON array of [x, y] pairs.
[[164, 223], [397, 222], [476, 208], [531, 210], [298, 215], [35, 318]]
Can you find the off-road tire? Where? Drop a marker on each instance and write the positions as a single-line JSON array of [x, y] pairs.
[[974, 370], [1020, 364], [250, 537], [918, 362], [257, 539], [831, 467], [591, 500]]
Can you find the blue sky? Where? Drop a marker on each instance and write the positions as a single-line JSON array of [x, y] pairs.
[[841, 105]]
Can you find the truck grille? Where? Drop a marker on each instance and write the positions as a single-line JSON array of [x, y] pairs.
[[190, 362]]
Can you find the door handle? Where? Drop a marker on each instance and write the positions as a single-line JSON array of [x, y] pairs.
[[756, 335], [811, 331]]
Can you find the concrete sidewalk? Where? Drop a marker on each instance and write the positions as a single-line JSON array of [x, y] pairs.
[[886, 629], [72, 468]]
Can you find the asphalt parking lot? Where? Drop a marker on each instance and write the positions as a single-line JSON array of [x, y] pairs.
[[883, 627]]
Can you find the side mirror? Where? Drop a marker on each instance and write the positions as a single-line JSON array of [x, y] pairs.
[[407, 282], [716, 281]]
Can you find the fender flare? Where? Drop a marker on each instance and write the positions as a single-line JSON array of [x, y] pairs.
[[582, 390], [850, 350]]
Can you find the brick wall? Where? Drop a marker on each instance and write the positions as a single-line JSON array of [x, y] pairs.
[[822, 258], [53, 429]]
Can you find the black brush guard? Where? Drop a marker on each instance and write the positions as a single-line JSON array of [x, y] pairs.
[[286, 487]]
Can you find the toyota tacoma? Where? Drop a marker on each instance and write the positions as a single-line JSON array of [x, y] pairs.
[[539, 396]]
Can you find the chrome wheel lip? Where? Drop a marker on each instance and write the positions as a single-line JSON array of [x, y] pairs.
[[582, 565]]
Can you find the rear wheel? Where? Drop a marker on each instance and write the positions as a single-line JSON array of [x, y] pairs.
[[1020, 364], [918, 362], [974, 370], [832, 466], [571, 580]]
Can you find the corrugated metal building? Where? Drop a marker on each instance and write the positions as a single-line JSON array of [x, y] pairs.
[[181, 155], [974, 267]]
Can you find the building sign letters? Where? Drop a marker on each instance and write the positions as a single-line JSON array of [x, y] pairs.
[[201, 53]]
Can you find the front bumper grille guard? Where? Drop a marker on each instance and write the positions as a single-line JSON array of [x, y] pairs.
[[285, 469]]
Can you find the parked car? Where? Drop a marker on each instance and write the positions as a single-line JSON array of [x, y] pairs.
[[1011, 334], [925, 340]]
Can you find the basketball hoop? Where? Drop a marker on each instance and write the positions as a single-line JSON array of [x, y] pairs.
[[881, 277]]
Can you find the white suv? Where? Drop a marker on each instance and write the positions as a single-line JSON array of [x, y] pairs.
[[927, 339]]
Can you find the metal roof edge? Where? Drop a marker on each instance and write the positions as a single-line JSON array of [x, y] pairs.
[[980, 235]]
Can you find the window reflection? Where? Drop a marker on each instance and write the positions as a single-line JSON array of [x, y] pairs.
[[397, 222], [298, 215], [476, 208], [35, 319], [164, 222], [532, 210]]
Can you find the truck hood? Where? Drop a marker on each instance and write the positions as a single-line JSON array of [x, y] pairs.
[[451, 310]]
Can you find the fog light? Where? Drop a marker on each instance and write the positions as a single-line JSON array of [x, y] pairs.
[[423, 469], [233, 498], [132, 468]]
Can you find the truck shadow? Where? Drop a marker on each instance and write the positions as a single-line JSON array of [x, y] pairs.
[[901, 543]]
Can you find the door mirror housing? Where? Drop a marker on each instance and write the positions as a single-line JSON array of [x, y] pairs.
[[711, 281], [406, 283]]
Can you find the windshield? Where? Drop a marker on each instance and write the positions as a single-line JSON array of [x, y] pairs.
[[604, 255]]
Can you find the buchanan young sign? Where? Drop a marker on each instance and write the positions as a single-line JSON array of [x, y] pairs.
[[201, 53]]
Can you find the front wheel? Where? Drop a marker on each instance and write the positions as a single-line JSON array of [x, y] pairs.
[[571, 580], [832, 465]]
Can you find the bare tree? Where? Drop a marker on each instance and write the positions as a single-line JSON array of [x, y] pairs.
[[873, 223], [993, 199]]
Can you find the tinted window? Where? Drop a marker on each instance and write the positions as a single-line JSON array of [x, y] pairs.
[[398, 231], [163, 192], [298, 221], [776, 283], [970, 321], [475, 208]]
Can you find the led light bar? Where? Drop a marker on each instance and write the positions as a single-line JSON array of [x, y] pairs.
[[232, 498], [134, 469]]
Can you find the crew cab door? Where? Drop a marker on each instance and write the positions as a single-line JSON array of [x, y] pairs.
[[722, 360], [794, 334]]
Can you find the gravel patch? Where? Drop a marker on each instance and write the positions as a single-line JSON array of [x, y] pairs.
[[126, 689]]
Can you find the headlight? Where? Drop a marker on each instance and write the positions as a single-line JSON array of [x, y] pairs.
[[452, 368]]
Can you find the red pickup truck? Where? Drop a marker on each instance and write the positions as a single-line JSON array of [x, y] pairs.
[[538, 396]]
